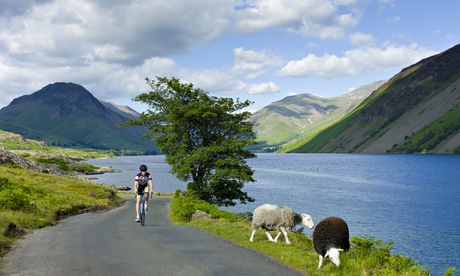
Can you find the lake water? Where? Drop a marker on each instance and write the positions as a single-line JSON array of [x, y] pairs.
[[413, 200]]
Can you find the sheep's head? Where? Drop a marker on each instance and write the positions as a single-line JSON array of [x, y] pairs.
[[334, 255], [307, 221]]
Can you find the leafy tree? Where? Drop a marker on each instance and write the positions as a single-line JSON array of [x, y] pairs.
[[204, 139]]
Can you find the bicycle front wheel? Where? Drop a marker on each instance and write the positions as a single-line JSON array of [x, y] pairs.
[[142, 214]]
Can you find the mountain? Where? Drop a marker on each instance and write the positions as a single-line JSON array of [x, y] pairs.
[[300, 116], [123, 110], [66, 114], [416, 111]]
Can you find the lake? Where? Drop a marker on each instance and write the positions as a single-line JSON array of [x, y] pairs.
[[413, 200]]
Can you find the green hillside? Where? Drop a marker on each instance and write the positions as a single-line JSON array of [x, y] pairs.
[[415, 111], [66, 114], [297, 117]]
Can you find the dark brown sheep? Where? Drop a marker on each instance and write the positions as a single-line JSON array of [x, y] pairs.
[[331, 236]]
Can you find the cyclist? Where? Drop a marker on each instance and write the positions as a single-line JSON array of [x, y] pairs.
[[142, 184]]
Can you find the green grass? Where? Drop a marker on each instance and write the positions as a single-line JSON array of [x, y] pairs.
[[66, 159], [320, 139], [31, 200], [31, 148], [368, 255]]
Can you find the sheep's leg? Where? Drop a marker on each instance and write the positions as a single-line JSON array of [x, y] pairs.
[[277, 236], [282, 229], [270, 238], [320, 261], [252, 236], [285, 234]]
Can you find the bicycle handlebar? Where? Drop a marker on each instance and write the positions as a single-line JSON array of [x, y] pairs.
[[141, 193]]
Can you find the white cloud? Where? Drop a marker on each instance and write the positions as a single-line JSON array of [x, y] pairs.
[[362, 60], [108, 46], [127, 32], [321, 18], [360, 39], [129, 82], [111, 46], [213, 81], [263, 88], [254, 63]]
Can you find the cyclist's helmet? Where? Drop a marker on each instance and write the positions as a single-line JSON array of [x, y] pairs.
[[143, 168]]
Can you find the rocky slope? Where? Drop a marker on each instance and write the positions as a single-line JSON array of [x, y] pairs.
[[418, 110]]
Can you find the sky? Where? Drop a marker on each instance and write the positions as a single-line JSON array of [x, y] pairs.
[[257, 50]]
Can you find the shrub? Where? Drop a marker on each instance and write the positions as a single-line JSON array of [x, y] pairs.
[[15, 196], [5, 184], [83, 167], [449, 271], [379, 258], [60, 162], [183, 206], [15, 200]]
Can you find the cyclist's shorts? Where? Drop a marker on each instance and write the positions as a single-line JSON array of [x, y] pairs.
[[141, 189]]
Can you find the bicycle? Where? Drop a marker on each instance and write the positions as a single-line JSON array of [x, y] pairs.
[[142, 209]]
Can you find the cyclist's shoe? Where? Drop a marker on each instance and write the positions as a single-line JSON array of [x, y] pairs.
[[146, 207], [138, 219]]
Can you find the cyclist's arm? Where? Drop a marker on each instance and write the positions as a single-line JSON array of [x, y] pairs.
[[151, 186], [136, 183]]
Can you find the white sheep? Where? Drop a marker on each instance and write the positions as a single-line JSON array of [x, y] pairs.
[[331, 236], [279, 218]]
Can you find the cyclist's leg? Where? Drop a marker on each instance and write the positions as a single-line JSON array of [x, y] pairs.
[[146, 195]]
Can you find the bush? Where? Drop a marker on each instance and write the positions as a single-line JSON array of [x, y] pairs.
[[183, 206], [14, 197], [449, 271], [379, 258], [5, 184], [60, 162], [84, 167]]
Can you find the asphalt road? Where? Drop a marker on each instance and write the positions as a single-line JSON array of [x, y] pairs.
[[112, 243]]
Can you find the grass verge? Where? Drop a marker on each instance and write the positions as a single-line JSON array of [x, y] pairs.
[[31, 200], [368, 256]]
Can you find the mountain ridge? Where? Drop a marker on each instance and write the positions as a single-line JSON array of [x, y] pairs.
[[123, 110], [295, 117], [417, 110], [68, 114]]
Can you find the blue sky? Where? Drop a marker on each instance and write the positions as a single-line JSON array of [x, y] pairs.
[[258, 50]]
